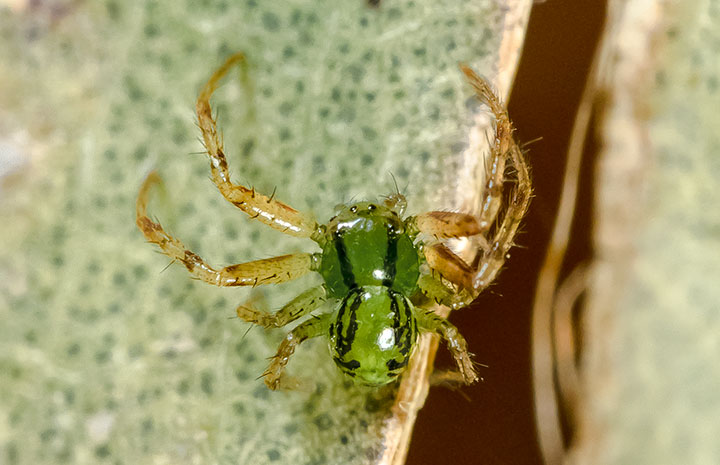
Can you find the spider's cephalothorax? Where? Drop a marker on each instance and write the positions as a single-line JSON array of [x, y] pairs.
[[372, 262], [367, 244]]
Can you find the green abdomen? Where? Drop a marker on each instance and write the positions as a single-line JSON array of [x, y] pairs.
[[373, 334], [369, 251]]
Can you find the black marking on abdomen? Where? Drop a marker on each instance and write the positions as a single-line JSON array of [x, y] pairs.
[[350, 365], [397, 324], [404, 325], [410, 330], [343, 343], [393, 364]]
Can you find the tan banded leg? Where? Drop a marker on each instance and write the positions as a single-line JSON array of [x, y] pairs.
[[447, 378], [265, 209], [267, 271], [492, 261], [274, 375], [495, 171], [430, 322], [504, 147], [478, 277], [451, 267], [444, 225], [296, 308]]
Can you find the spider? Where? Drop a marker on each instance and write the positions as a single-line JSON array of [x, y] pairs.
[[381, 270]]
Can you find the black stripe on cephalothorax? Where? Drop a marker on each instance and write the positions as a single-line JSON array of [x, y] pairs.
[[345, 265], [343, 342], [390, 262]]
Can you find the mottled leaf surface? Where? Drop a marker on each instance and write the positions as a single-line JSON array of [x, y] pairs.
[[104, 357]]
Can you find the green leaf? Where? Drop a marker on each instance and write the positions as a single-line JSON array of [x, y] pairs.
[[106, 358]]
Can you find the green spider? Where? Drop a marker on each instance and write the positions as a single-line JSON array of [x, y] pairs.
[[378, 267]]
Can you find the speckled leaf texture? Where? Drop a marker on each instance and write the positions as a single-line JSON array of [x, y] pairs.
[[652, 366], [105, 357]]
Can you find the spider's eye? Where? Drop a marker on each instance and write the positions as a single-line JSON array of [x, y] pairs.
[[353, 208], [372, 207]]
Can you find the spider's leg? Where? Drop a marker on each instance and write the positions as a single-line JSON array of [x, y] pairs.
[[261, 207], [444, 225], [436, 290], [451, 379], [495, 171], [449, 224], [430, 322], [296, 308], [494, 258], [505, 147], [314, 327], [443, 261], [267, 271], [493, 250]]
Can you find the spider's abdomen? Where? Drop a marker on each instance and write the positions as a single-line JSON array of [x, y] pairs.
[[367, 246], [373, 334]]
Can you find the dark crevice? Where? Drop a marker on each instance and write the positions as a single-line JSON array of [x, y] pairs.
[[497, 425]]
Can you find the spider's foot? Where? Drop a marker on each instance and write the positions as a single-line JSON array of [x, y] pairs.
[[257, 317], [286, 383], [448, 378], [467, 368]]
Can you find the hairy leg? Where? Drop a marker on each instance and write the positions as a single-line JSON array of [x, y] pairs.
[[296, 308], [443, 261], [504, 148], [274, 375], [452, 379], [444, 225], [261, 207], [430, 322], [255, 273], [495, 171], [494, 258], [494, 251]]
